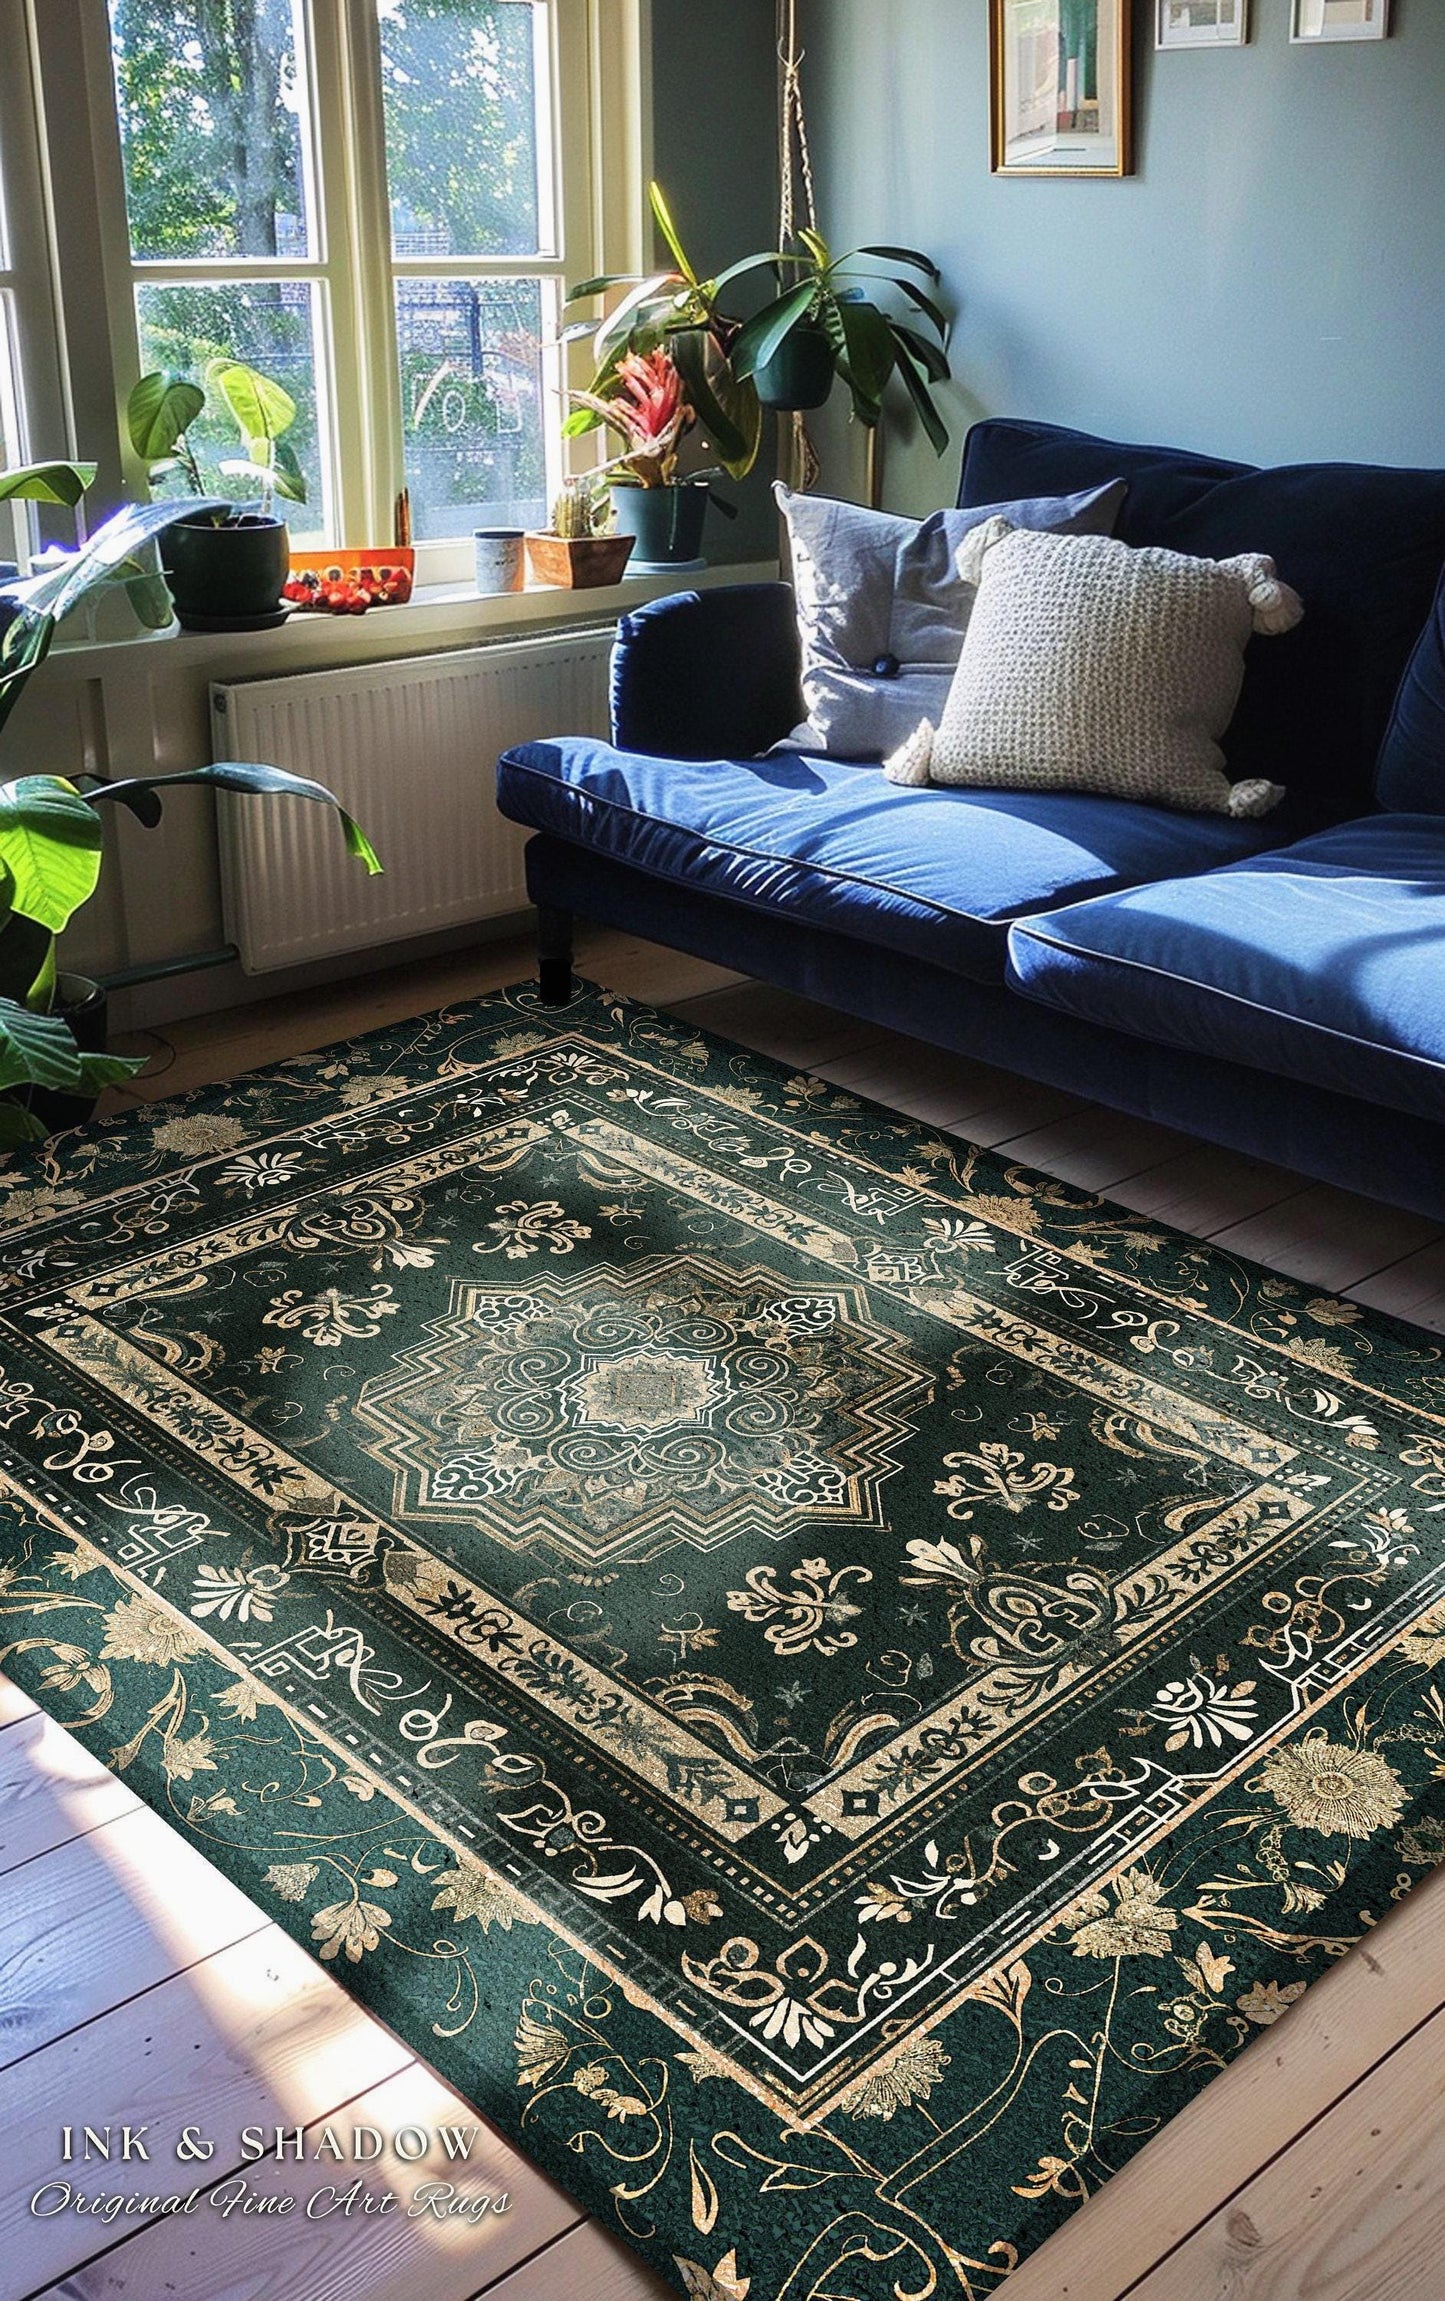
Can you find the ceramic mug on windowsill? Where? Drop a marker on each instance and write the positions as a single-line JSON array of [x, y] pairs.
[[501, 559]]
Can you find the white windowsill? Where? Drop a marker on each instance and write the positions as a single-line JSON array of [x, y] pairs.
[[439, 615]]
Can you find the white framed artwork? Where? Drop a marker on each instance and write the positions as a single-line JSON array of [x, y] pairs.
[[1339, 20], [1201, 23]]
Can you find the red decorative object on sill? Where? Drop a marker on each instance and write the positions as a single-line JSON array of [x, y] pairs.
[[344, 582]]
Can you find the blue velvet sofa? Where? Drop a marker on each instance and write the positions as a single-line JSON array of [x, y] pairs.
[[1276, 986]]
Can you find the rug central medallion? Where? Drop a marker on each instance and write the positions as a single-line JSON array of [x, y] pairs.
[[617, 1412]]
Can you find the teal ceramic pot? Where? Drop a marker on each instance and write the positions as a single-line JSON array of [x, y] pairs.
[[799, 376], [227, 578], [667, 522]]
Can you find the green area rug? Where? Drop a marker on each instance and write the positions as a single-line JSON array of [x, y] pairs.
[[827, 1682]]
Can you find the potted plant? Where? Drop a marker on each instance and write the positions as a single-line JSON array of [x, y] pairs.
[[227, 566], [654, 500], [826, 323], [577, 553], [678, 312], [52, 1025]]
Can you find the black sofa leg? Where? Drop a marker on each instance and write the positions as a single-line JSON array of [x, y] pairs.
[[554, 955]]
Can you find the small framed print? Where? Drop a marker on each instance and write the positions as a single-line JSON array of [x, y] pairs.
[[1060, 87], [1201, 23], [1340, 20]]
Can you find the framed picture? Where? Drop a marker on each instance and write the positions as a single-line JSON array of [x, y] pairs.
[[1061, 87], [1201, 23], [1340, 20]]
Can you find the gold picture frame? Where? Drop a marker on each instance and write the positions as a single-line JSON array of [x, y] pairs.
[[1061, 74]]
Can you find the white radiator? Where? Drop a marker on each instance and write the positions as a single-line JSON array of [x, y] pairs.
[[410, 749]]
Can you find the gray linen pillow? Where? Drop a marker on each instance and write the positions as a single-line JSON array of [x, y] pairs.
[[1089, 666], [875, 589]]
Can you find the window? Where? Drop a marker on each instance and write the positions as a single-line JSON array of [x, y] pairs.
[[31, 406], [371, 206]]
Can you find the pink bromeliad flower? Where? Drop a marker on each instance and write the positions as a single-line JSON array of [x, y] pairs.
[[649, 410]]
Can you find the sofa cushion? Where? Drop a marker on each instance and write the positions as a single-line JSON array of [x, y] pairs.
[[1362, 546], [1411, 774], [1320, 962], [1094, 665], [933, 874], [882, 609]]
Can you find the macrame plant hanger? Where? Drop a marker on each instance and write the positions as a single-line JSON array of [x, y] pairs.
[[795, 167]]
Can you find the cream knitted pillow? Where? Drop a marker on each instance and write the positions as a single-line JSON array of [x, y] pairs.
[[1092, 666]]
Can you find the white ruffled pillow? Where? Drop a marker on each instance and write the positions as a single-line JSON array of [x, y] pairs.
[[1089, 665]]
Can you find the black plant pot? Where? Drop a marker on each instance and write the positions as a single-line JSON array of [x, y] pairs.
[[799, 376], [227, 578], [85, 1007], [667, 522]]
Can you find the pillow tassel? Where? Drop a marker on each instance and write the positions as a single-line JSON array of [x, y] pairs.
[[977, 544], [912, 760], [1254, 797]]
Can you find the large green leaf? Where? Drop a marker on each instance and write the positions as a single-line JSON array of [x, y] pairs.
[[19, 1126], [61, 588], [261, 409], [727, 406], [668, 229], [50, 842], [932, 360], [253, 780], [39, 1051], [160, 410], [927, 305], [62, 483], [871, 353], [756, 343], [911, 256], [922, 398], [24, 645]]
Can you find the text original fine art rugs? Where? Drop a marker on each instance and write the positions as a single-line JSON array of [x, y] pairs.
[[828, 1683]]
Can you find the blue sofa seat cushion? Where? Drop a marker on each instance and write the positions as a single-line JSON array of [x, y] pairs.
[[1363, 547], [1323, 962], [936, 875]]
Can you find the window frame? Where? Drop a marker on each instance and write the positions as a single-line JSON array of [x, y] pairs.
[[33, 413], [601, 122]]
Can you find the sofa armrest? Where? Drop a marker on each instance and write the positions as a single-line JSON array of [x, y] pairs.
[[708, 674]]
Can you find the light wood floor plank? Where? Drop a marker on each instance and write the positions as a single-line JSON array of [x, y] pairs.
[[1352, 2019], [1413, 1288], [101, 1918], [259, 2034], [51, 1789], [1095, 1149], [589, 2265], [1328, 1237], [1353, 2211], [383, 2257], [1206, 1189]]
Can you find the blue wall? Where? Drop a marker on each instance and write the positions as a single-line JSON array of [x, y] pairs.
[[1271, 284], [714, 75]]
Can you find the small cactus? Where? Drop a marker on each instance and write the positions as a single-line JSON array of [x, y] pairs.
[[579, 511]]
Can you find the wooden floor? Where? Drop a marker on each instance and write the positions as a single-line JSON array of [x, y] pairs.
[[137, 1984]]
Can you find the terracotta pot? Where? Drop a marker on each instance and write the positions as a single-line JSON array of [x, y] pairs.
[[578, 563]]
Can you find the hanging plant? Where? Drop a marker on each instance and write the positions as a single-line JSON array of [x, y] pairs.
[[827, 311]]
